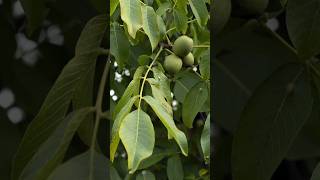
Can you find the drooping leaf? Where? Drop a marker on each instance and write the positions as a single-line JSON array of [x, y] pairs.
[[168, 122], [183, 84], [270, 121], [205, 140], [303, 23], [78, 168], [125, 110], [138, 137], [200, 11], [146, 175], [316, 173], [131, 14], [119, 46], [51, 152], [58, 100], [174, 168], [193, 102], [150, 25]]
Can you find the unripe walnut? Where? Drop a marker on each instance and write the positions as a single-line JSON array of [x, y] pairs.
[[188, 59], [182, 46], [172, 63]]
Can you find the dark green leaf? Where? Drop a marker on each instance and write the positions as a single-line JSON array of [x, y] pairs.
[[303, 23], [146, 175], [51, 152], [316, 173], [174, 168], [205, 140], [200, 11], [119, 47], [270, 121], [78, 168]]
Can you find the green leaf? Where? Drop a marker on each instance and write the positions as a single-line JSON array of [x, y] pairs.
[[146, 175], [270, 122], [132, 89], [159, 95], [193, 103], [205, 140], [200, 11], [131, 14], [163, 81], [180, 21], [183, 84], [52, 151], [204, 65], [92, 36], [303, 23], [168, 122], [113, 6], [119, 47], [174, 168], [78, 168], [137, 135], [316, 173], [125, 110], [157, 156], [63, 91], [163, 8], [222, 9], [36, 12], [150, 25]]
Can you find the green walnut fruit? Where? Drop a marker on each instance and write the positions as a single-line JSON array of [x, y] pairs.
[[188, 59], [253, 7], [182, 46], [172, 64], [222, 12]]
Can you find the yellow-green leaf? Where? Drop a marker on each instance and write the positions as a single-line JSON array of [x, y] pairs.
[[168, 122], [131, 14]]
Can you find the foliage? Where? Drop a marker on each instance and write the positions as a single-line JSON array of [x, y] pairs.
[[163, 102], [267, 86]]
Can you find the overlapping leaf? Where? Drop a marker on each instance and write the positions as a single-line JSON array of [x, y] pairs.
[[193, 102], [200, 11], [174, 168], [168, 122], [58, 100], [78, 168], [51, 152]]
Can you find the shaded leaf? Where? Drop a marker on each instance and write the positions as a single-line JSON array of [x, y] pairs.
[[183, 84], [146, 175], [316, 173], [78, 168], [58, 99], [157, 156], [174, 168], [52, 151], [119, 46], [303, 23], [180, 20], [270, 121]]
